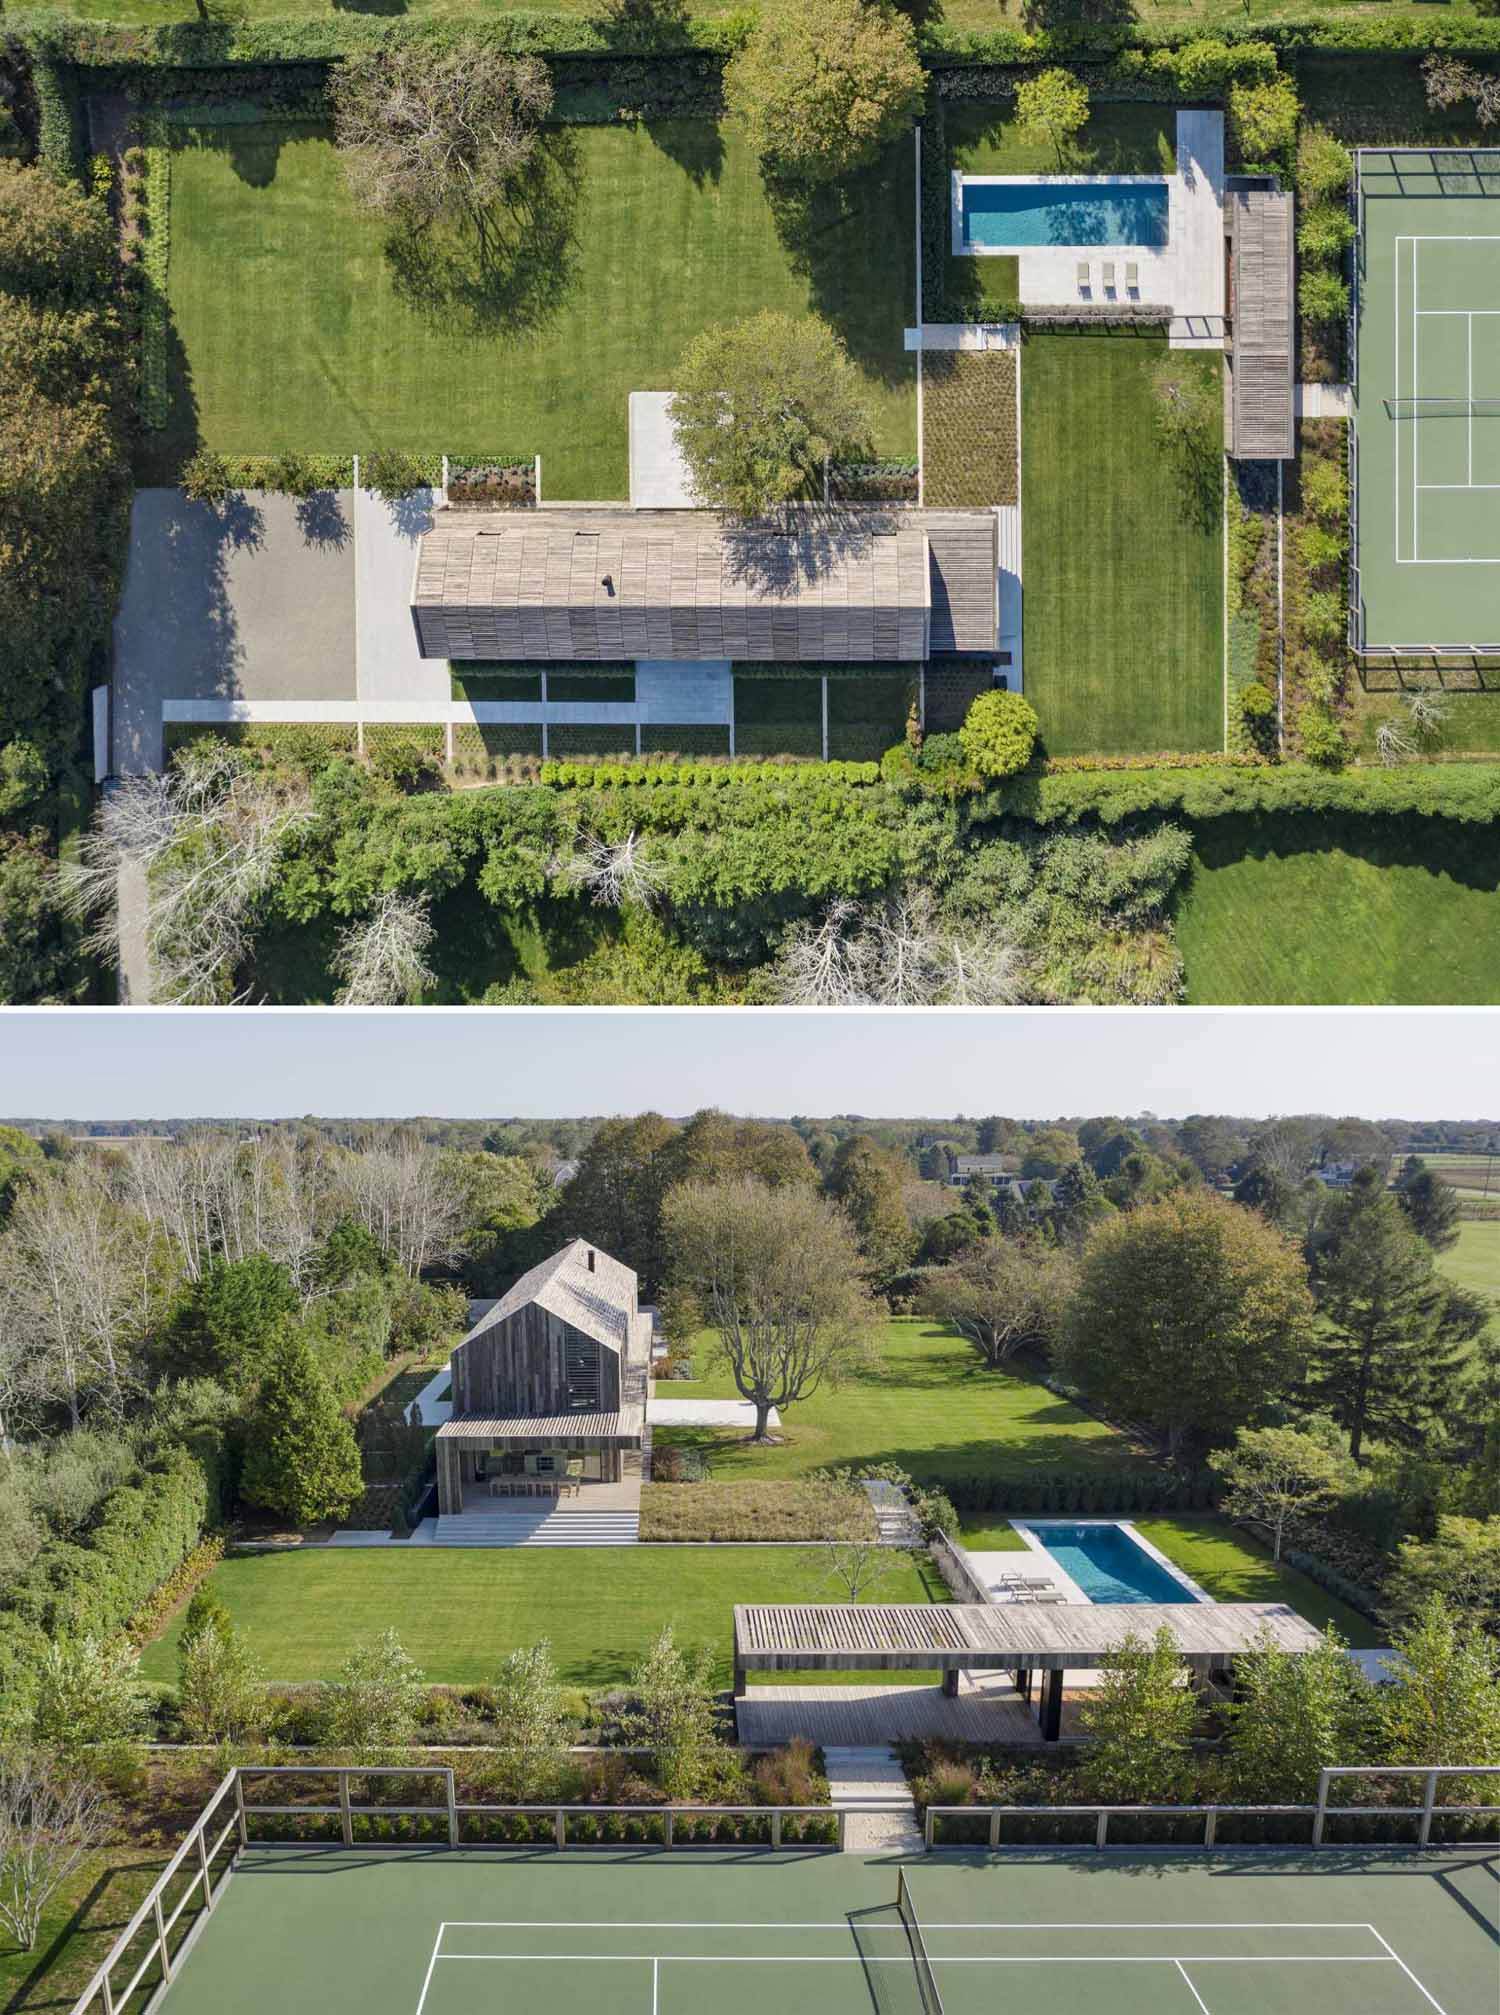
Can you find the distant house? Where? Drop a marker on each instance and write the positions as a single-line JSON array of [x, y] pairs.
[[990, 1168], [1336, 1174], [549, 1387]]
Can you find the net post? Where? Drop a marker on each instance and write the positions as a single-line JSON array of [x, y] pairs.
[[776, 1827], [1429, 1799], [452, 1797], [560, 1827]]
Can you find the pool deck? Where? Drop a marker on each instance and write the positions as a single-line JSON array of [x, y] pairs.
[[1187, 275]]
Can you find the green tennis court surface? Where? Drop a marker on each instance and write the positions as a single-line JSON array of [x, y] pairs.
[[1427, 420], [737, 1932]]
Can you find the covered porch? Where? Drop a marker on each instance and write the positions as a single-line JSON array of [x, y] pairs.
[[556, 1462]]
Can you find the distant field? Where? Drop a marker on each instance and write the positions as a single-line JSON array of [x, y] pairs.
[[1474, 1263]]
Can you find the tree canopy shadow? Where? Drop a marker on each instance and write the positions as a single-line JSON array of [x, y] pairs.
[[369, 6], [321, 520], [696, 145], [779, 556], [1044, 14], [506, 268], [827, 230]]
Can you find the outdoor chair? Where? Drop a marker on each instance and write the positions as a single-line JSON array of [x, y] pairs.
[[1083, 276], [1132, 278], [1109, 276]]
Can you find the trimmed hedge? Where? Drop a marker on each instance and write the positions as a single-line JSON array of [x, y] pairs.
[[568, 776], [1466, 792], [1128, 1490]]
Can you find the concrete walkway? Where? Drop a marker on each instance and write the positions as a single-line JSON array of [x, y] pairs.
[[705, 1413], [1323, 402], [860, 1781], [1196, 197]]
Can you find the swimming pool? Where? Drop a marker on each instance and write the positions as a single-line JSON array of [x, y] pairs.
[[1108, 1564], [1006, 214]]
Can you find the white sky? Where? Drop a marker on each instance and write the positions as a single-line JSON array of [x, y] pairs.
[[267, 1063]]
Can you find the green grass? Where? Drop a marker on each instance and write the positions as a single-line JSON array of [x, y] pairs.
[[1332, 910], [1124, 584], [981, 1532], [1231, 1567], [1380, 100], [1474, 1262], [1471, 729], [928, 1404], [1123, 138], [459, 1612], [292, 332]]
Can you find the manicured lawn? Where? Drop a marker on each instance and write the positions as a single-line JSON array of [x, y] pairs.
[[927, 1404], [1124, 138], [1124, 583], [1342, 910], [1471, 729], [982, 1532], [1231, 1567], [459, 1612], [1474, 1262], [296, 331], [79, 1924]]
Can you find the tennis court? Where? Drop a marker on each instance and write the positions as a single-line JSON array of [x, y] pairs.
[[1427, 410], [744, 1932]]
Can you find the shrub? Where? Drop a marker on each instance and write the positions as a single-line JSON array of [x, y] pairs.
[[206, 480], [1324, 165], [1325, 232], [1325, 492], [391, 474], [1264, 117], [376, 1697], [1321, 737], [1323, 615], [998, 734], [1322, 296], [1319, 548], [87, 1692], [1256, 702], [405, 760]]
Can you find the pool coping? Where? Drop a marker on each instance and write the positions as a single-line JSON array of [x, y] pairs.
[[1028, 1529], [958, 177]]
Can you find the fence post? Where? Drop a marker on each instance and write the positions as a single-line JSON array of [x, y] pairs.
[[1211, 1826], [560, 1828], [666, 1827], [208, 1887], [1429, 1799], [161, 1937], [239, 1806], [927, 1824], [995, 1828], [838, 1828], [1322, 1811], [452, 1806], [346, 1822], [1101, 1829], [776, 1827]]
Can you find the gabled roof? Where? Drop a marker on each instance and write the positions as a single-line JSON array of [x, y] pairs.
[[852, 586], [600, 1303]]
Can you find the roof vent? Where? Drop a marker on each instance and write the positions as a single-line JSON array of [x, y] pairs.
[[591, 1259]]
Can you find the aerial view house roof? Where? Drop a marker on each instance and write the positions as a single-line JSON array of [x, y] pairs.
[[1262, 424], [580, 586]]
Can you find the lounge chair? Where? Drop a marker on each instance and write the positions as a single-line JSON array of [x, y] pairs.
[[1083, 276], [1109, 276], [1132, 277]]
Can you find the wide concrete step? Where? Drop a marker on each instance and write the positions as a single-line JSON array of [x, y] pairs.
[[572, 1528], [863, 1777]]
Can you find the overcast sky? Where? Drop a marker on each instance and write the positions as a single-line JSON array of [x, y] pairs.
[[269, 1064]]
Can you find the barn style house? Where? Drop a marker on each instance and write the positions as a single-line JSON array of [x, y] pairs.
[[549, 1393]]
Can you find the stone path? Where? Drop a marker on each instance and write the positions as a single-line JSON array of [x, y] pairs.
[[861, 1781], [705, 1413]]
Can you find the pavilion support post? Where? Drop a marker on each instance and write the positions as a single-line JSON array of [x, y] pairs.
[[950, 1683], [1052, 1704]]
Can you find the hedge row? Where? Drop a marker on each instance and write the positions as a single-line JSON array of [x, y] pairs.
[[203, 43], [94, 1585], [1122, 1491], [1467, 792], [635, 775]]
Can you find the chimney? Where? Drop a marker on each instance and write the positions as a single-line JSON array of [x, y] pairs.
[[591, 1259]]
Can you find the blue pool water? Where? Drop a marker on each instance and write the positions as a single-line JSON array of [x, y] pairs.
[[1064, 213], [1108, 1565]]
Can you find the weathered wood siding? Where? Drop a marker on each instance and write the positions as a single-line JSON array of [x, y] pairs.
[[522, 1364]]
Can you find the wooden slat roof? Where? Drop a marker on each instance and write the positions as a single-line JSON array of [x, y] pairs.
[[581, 586], [624, 1425], [1001, 1635], [1262, 424], [599, 1300]]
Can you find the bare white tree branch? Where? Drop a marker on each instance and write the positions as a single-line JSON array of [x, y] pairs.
[[51, 1821], [382, 958]]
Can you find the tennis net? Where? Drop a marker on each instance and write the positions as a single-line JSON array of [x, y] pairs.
[[932, 2001], [1442, 409]]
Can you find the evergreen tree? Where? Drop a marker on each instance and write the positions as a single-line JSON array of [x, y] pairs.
[[301, 1458], [230, 1320], [870, 1183], [1387, 1360], [1078, 1204], [1429, 1203]]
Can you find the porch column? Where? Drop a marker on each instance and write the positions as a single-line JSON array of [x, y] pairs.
[[1052, 1704], [950, 1683]]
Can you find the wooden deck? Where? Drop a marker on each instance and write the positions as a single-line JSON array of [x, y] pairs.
[[863, 1716], [1260, 388]]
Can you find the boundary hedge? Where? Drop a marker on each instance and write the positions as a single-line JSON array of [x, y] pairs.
[[1466, 792]]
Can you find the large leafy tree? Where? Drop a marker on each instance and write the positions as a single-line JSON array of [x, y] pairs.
[[869, 1182], [1142, 1719], [1001, 1294], [615, 1197], [1294, 1713], [1271, 1473], [1461, 1563], [1388, 1356], [301, 1458], [1191, 1314], [230, 1319], [1429, 1202], [1445, 1707], [820, 88], [778, 1274], [1053, 105], [761, 406]]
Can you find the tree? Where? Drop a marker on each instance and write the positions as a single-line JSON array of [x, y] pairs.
[[229, 1320], [301, 1457], [1049, 1151], [1001, 1295], [382, 959], [39, 965], [1078, 1203], [373, 1703], [1053, 106], [1461, 1563], [853, 1553], [760, 407], [999, 733], [1142, 1719], [899, 952], [1263, 117], [1445, 1705], [1273, 1473], [672, 1713], [1191, 1314], [87, 1691], [220, 1688], [1386, 1360], [430, 131], [531, 1719], [870, 1185], [822, 88], [1429, 1202], [778, 1274], [615, 1197], [1293, 1714], [52, 1820]]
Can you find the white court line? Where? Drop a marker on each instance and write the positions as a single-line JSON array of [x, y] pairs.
[[656, 1979], [928, 1924], [427, 1977], [1385, 1958], [1187, 1982], [1430, 1998]]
